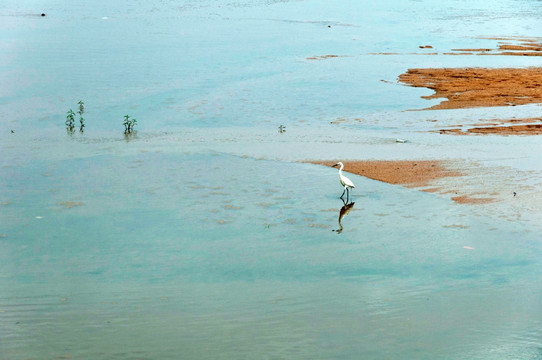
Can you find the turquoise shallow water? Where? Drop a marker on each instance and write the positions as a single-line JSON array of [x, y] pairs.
[[214, 256], [182, 241]]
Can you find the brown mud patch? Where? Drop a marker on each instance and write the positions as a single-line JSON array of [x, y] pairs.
[[478, 87], [527, 47], [70, 204], [530, 126], [509, 121], [472, 200], [471, 50], [323, 57], [535, 129]]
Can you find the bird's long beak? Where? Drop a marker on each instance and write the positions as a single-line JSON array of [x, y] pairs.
[[335, 165]]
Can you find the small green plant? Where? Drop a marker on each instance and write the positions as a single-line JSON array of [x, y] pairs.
[[129, 124], [81, 123], [126, 123], [70, 119], [81, 118], [81, 107]]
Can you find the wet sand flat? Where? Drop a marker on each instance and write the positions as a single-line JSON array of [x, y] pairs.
[[478, 87]]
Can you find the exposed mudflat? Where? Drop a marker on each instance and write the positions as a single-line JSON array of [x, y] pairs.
[[478, 87]]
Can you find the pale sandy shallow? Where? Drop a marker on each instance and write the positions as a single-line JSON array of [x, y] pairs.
[[468, 182], [463, 88]]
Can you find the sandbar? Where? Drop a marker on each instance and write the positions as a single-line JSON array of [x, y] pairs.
[[478, 87]]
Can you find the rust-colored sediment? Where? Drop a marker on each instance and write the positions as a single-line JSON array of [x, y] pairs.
[[402, 172], [524, 47], [322, 57], [509, 121], [530, 126], [534, 129], [70, 204], [471, 200], [472, 50], [478, 87]]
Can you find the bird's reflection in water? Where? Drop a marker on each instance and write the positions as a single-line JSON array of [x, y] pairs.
[[342, 213]]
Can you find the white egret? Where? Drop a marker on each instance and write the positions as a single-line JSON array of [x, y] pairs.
[[346, 182]]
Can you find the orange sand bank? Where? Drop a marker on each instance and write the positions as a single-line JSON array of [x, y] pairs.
[[478, 87]]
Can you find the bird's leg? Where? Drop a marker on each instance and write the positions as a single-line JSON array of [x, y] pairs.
[[343, 193]]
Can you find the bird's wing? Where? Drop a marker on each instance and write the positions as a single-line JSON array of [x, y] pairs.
[[348, 182]]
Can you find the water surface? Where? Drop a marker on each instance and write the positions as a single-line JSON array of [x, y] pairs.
[[201, 236]]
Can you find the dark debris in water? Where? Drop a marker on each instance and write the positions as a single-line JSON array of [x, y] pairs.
[[70, 204]]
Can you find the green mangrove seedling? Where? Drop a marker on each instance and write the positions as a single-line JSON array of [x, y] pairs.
[[128, 124], [81, 107], [81, 118], [70, 119]]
